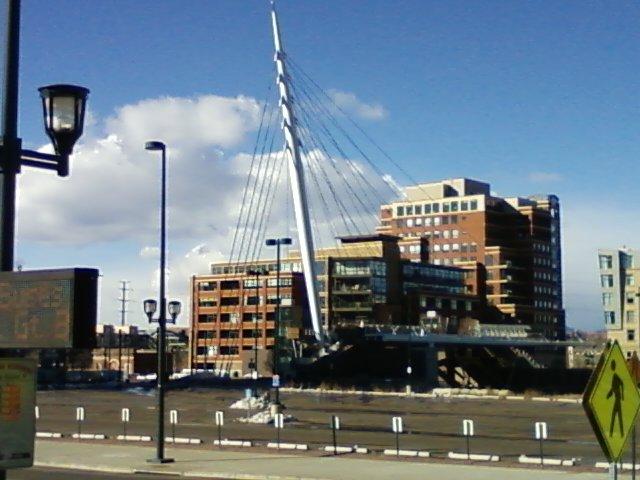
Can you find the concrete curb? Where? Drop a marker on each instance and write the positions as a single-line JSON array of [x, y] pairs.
[[233, 443], [185, 441], [49, 435], [338, 449], [477, 457], [288, 446], [621, 466], [405, 453], [89, 436], [558, 462], [134, 438]]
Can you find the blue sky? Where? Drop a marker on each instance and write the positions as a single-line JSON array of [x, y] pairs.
[[531, 97]]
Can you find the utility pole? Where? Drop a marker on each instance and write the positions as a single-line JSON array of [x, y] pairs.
[[123, 321]]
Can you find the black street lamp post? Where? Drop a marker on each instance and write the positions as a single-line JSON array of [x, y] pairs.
[[150, 307], [255, 374], [63, 110], [64, 107], [277, 242]]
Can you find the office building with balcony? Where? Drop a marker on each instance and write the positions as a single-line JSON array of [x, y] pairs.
[[363, 281], [516, 240], [620, 284]]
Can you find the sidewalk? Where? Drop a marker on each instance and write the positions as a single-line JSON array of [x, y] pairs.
[[261, 466]]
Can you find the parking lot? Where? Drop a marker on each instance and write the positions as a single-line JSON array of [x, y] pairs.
[[502, 427]]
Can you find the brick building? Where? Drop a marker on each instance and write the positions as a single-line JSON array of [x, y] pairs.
[[364, 281], [516, 241]]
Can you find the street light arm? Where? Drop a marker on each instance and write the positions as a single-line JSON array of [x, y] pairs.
[[47, 161]]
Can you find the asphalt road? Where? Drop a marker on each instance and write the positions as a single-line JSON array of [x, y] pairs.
[[60, 474], [502, 427]]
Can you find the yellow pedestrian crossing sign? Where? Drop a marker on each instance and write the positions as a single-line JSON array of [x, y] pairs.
[[611, 401]]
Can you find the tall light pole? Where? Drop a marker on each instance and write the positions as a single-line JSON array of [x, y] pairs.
[[63, 111], [150, 307], [277, 242], [257, 272]]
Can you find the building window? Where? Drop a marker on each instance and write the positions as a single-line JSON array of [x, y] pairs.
[[606, 262], [435, 208], [609, 318], [630, 280], [473, 205], [436, 221], [631, 316], [464, 206], [627, 261], [427, 221], [446, 234], [630, 300], [418, 221], [436, 248], [399, 211], [455, 233], [606, 280], [418, 210], [606, 298], [631, 335], [409, 209], [445, 207], [445, 247], [453, 219], [427, 208], [454, 206]]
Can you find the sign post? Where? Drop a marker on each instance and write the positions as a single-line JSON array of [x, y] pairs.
[[396, 425], [541, 435], [173, 419], [125, 416], [219, 418], [278, 422], [468, 432], [79, 420], [335, 425], [611, 402]]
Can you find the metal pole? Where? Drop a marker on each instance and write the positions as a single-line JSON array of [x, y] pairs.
[[219, 435], [541, 451], [255, 333], [120, 356], [335, 441], [162, 318], [633, 454], [468, 447], [276, 333], [10, 142], [397, 444]]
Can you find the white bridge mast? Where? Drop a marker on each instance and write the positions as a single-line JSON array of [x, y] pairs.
[[296, 175]]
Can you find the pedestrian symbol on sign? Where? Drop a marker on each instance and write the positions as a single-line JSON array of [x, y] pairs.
[[617, 390]]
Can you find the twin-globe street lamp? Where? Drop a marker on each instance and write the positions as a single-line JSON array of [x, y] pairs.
[[254, 373], [277, 242], [151, 306]]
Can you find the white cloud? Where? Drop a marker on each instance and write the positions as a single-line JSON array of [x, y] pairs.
[[149, 252], [350, 103], [113, 190], [544, 177]]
